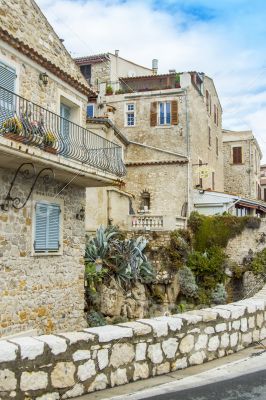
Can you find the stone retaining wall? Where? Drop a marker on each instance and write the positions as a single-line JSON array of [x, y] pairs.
[[70, 364]]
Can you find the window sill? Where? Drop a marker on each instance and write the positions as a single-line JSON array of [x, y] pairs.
[[129, 126], [33, 254], [164, 126]]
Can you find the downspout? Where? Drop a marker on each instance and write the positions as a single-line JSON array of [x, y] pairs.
[[250, 168], [188, 153]]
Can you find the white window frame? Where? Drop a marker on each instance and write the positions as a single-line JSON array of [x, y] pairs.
[[48, 200], [127, 112], [165, 123]]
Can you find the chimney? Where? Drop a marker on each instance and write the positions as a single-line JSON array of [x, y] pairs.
[[154, 66], [116, 53], [172, 71]]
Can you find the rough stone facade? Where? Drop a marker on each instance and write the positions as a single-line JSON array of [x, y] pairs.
[[43, 293], [25, 21], [242, 177], [250, 239], [81, 362]]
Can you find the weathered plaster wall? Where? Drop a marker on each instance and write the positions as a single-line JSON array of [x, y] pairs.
[[200, 122], [45, 292], [242, 179], [76, 363], [167, 185]]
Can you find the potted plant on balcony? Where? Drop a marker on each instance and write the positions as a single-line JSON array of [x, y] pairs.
[[12, 128], [49, 142], [177, 81], [109, 90]]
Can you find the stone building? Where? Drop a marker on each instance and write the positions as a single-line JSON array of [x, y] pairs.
[[263, 181], [242, 156], [47, 159], [102, 70], [173, 125]]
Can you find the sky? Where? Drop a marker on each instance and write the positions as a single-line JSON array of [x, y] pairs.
[[226, 39]]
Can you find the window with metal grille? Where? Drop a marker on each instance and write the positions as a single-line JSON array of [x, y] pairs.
[[47, 227], [237, 155]]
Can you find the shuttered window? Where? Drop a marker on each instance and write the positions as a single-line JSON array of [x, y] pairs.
[[47, 227], [237, 155], [174, 109], [153, 114], [7, 101]]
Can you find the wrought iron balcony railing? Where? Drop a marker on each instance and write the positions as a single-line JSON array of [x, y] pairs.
[[26, 122]]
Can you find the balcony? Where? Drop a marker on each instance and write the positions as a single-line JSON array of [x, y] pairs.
[[146, 222], [25, 122]]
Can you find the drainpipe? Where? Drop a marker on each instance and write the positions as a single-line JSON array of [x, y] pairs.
[[250, 168], [188, 153]]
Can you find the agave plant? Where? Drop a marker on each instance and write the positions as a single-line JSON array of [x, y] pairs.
[[98, 246], [129, 261]]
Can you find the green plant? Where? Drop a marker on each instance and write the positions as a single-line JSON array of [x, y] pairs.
[[129, 261], [109, 89], [98, 246], [95, 318], [208, 267], [258, 263], [219, 294], [120, 91], [182, 307], [12, 125], [93, 276], [217, 230], [49, 139], [188, 286], [177, 79], [178, 249]]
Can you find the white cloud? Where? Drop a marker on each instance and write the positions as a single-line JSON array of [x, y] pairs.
[[225, 47]]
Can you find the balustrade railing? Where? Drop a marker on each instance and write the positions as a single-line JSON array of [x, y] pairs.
[[147, 222], [28, 123]]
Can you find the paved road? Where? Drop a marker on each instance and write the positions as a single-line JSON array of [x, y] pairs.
[[243, 379], [247, 387]]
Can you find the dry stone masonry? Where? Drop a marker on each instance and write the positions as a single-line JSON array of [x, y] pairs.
[[70, 364]]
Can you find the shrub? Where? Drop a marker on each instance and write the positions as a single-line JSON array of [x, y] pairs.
[[219, 294], [258, 263], [188, 286], [95, 319], [179, 248], [208, 267], [217, 230]]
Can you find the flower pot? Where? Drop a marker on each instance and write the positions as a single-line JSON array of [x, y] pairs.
[[50, 149], [16, 137]]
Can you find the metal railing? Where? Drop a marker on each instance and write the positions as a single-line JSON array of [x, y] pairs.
[[26, 122]]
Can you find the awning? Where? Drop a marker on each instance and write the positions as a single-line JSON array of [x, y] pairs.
[[259, 207]]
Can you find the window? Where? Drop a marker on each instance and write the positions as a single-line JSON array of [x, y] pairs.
[[264, 194], [215, 115], [200, 179], [90, 110], [210, 136], [207, 100], [213, 180], [165, 113], [86, 71], [145, 203], [217, 146], [47, 227], [7, 100], [130, 114], [237, 155]]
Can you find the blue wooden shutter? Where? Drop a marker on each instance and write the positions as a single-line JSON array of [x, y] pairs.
[[7, 100], [40, 227], [53, 231], [47, 227]]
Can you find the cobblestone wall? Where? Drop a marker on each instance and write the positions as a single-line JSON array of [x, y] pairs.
[[71, 364], [45, 292]]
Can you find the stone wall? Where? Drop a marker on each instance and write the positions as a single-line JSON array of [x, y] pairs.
[[249, 239], [75, 363], [24, 20], [44, 293]]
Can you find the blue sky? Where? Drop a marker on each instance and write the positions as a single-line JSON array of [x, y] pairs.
[[223, 38]]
